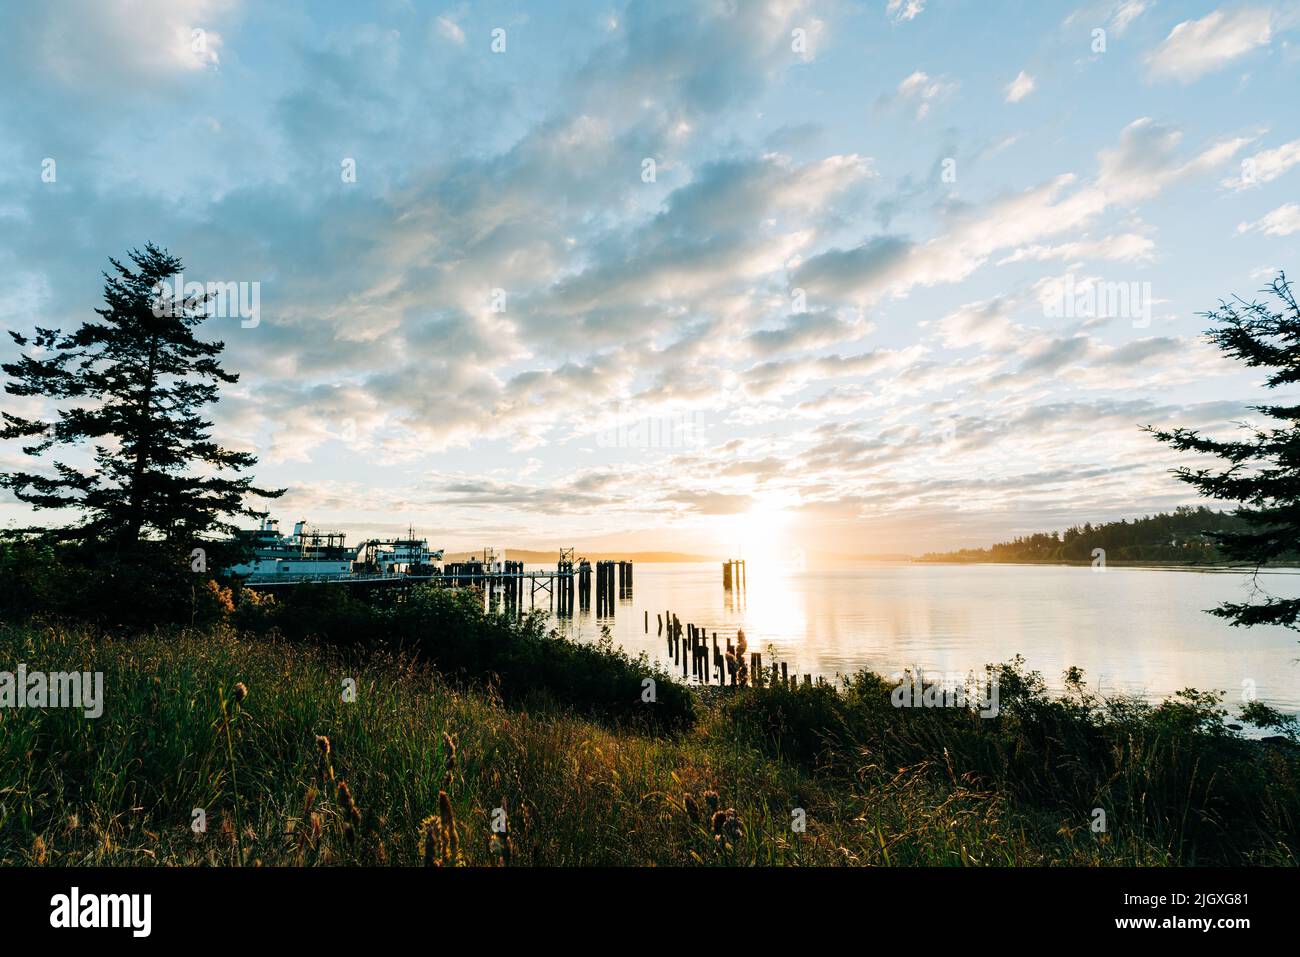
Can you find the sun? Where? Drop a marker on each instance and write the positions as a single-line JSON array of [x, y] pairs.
[[762, 535]]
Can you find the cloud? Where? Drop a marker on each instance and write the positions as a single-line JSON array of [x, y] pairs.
[[1126, 11], [86, 44], [902, 10], [1282, 221], [1265, 166], [451, 30], [985, 323], [712, 503], [1196, 47], [1124, 247], [787, 376], [1145, 162], [1020, 87], [808, 330], [382, 384], [920, 91]]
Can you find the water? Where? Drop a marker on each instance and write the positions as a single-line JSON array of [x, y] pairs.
[[1133, 630]]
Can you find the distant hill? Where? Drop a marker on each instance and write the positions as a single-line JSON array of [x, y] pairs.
[[1183, 536]]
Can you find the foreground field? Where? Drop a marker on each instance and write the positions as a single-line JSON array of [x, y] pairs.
[[257, 734]]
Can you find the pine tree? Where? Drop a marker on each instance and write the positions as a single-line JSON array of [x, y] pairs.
[[1263, 466], [133, 385]]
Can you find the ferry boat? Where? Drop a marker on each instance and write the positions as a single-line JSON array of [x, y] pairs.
[[312, 553]]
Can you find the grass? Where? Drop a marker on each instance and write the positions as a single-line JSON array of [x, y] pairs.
[[583, 788]]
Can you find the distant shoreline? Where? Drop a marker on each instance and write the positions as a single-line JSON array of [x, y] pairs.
[[1118, 563]]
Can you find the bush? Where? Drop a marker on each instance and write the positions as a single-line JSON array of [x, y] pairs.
[[517, 656], [1175, 773], [89, 582]]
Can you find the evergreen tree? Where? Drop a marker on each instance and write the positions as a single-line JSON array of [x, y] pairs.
[[133, 384], [1263, 466]]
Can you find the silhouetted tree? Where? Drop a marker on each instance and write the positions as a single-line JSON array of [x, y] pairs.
[[133, 385], [1263, 467]]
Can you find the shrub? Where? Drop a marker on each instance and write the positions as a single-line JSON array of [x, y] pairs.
[[517, 656]]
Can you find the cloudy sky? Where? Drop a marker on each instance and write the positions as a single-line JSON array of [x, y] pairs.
[[877, 276]]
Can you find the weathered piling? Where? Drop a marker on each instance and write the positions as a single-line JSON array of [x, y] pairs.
[[564, 588], [605, 585], [733, 575], [584, 585]]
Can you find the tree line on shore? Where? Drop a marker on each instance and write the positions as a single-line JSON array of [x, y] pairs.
[[1187, 535]]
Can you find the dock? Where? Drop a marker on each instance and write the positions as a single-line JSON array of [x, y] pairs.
[[507, 583]]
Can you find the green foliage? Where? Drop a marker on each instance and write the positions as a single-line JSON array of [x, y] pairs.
[[44, 576], [1261, 470], [131, 385], [1186, 535], [1173, 773], [516, 655], [878, 785]]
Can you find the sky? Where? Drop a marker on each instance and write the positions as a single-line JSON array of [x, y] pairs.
[[740, 277]]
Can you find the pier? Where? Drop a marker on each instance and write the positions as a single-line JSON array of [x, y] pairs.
[[506, 583]]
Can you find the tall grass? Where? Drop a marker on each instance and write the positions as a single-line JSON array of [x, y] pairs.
[[306, 777]]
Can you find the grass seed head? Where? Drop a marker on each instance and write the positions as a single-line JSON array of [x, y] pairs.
[[451, 846]]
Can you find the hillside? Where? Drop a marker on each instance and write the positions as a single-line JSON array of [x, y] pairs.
[[1184, 536]]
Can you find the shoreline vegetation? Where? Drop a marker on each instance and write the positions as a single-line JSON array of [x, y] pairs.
[[460, 719], [1185, 537], [1224, 566]]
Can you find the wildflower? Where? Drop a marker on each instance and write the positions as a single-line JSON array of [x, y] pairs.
[[501, 847], [692, 809], [449, 745], [241, 692], [439, 843], [431, 841], [326, 765], [451, 848], [711, 799], [726, 827], [353, 822]]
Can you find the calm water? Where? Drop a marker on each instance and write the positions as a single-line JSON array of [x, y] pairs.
[[1136, 630]]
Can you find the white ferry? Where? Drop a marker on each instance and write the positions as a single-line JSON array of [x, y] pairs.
[[311, 553]]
